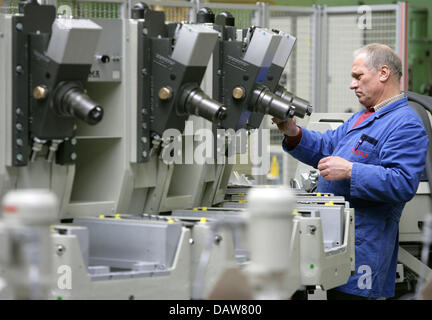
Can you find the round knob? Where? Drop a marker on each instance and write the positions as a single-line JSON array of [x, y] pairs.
[[225, 18], [165, 93], [104, 58], [238, 93], [205, 15], [139, 10], [40, 92]]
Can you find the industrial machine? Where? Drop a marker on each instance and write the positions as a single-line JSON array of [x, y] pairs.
[[116, 234], [322, 244], [244, 73], [45, 63]]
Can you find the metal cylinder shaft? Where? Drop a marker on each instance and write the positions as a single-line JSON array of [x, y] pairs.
[[301, 106], [265, 101], [70, 100], [196, 102]]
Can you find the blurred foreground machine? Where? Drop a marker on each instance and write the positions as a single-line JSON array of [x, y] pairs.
[[113, 179]]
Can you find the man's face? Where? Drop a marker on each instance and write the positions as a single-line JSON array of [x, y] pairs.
[[365, 82]]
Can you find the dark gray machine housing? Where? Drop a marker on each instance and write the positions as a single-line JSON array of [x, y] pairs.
[[53, 115], [231, 70], [298, 107], [158, 70], [246, 75]]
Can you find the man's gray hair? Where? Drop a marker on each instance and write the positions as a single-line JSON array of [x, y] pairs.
[[378, 54]]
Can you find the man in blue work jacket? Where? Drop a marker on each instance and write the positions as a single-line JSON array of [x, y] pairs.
[[375, 160]]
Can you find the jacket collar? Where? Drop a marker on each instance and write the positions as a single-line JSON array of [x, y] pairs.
[[388, 101], [382, 111]]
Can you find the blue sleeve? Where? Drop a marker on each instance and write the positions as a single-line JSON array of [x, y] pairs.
[[396, 178], [315, 145]]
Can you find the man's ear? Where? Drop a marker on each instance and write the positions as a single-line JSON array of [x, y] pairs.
[[384, 73]]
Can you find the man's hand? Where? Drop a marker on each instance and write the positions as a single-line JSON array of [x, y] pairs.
[[335, 168], [288, 127]]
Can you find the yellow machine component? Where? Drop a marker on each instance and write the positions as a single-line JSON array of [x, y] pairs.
[[274, 169]]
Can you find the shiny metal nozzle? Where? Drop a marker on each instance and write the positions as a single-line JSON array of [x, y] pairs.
[[71, 100], [197, 102], [266, 102], [301, 106]]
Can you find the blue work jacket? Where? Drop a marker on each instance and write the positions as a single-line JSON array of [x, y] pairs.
[[388, 151]]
